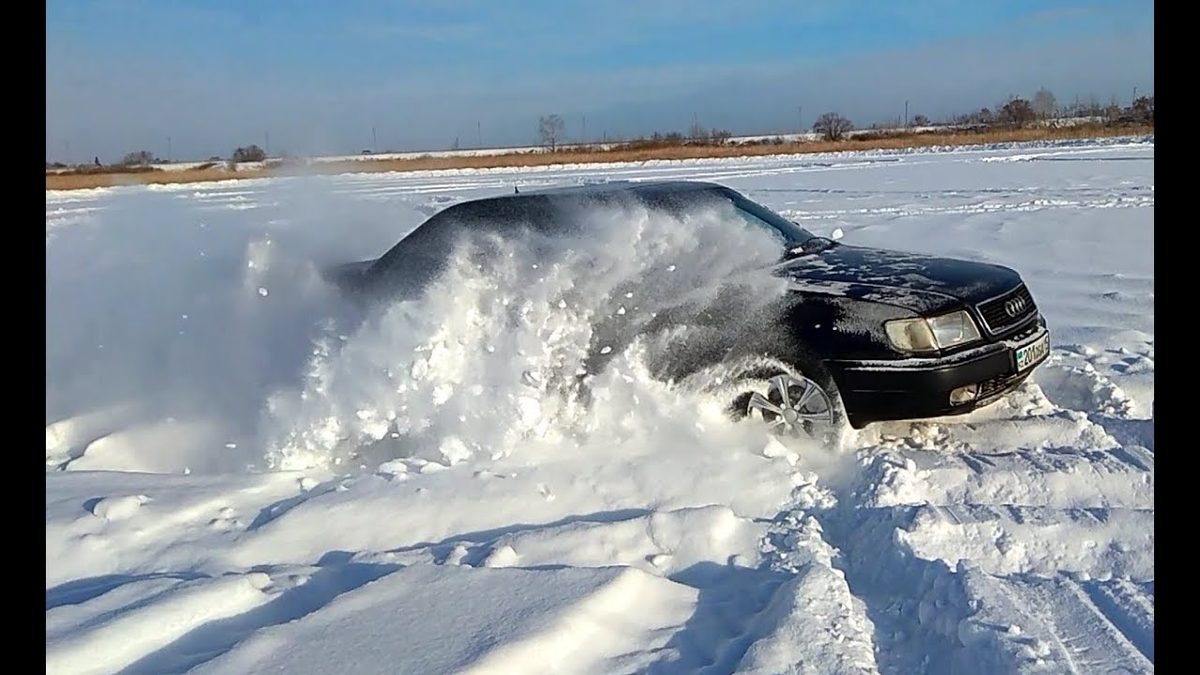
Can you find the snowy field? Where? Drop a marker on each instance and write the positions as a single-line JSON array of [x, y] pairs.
[[225, 494]]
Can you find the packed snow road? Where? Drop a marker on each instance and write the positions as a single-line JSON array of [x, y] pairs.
[[225, 494]]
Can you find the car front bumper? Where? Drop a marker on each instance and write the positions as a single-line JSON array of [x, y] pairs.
[[878, 391]]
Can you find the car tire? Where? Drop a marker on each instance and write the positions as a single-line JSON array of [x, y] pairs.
[[755, 390]]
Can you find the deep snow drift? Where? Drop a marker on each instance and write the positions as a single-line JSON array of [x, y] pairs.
[[228, 489]]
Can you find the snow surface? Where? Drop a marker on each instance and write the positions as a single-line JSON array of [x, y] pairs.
[[226, 491]]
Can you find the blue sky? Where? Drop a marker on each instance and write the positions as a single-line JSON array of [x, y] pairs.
[[318, 76]]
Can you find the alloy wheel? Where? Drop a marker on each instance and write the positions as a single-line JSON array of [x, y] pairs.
[[793, 406]]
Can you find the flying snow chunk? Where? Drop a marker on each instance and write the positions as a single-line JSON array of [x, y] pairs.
[[454, 450], [262, 291]]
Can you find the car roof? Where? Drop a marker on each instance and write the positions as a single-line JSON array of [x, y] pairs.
[[611, 187], [533, 200], [545, 201]]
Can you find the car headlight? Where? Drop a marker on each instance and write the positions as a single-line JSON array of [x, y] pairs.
[[932, 333]]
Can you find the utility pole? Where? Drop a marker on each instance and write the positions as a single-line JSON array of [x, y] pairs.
[[168, 149], [479, 133], [906, 113], [1134, 95], [68, 144], [374, 141], [800, 118], [583, 133], [267, 143]]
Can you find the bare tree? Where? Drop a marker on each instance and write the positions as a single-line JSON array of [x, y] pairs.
[[920, 121], [832, 126], [551, 127], [1113, 110], [1044, 103]]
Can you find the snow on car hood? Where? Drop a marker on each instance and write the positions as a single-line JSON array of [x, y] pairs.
[[919, 282]]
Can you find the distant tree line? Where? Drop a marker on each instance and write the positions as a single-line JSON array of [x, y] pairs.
[[552, 131], [1044, 107], [1015, 112], [144, 159]]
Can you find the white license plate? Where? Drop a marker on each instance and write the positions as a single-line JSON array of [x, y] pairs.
[[1032, 353]]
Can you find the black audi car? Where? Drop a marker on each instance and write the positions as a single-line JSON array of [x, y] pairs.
[[863, 335]]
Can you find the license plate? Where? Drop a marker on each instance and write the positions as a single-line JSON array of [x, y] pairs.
[[1032, 353]]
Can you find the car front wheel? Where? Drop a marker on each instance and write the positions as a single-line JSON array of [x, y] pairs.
[[793, 406], [790, 403]]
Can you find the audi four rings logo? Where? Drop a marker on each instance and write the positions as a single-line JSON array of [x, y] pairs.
[[1014, 307]]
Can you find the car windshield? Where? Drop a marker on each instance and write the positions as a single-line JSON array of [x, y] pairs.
[[788, 233], [760, 216]]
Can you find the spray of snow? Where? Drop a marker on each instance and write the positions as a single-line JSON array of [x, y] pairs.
[[169, 305], [508, 346]]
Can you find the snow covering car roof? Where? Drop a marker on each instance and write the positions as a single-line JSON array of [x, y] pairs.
[[545, 206], [636, 187]]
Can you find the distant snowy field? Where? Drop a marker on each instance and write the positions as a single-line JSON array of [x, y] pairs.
[[201, 515]]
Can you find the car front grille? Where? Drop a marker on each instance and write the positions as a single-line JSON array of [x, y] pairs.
[[1007, 310]]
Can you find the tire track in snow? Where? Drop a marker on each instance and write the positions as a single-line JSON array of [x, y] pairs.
[[1046, 478], [1129, 608], [813, 621], [1048, 624], [931, 542], [1035, 540]]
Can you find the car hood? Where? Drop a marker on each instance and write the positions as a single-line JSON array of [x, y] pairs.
[[919, 282]]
